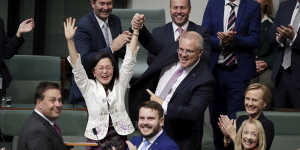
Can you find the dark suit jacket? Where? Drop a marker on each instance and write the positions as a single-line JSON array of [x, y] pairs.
[[247, 39], [163, 142], [283, 17], [8, 48], [38, 134], [184, 119], [163, 38], [89, 40]]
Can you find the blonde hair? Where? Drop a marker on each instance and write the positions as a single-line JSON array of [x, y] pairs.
[[267, 95], [261, 135]]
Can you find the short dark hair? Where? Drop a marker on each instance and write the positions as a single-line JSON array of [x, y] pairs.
[[42, 88], [97, 57], [153, 105]]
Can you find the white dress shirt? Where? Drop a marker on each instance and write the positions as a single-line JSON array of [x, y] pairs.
[[43, 116], [165, 76], [175, 31], [227, 9]]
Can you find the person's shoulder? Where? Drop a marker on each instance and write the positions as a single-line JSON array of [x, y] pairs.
[[252, 3], [167, 143], [87, 19], [162, 28]]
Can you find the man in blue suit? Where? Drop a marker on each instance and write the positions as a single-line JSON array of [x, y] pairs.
[[234, 27], [98, 31], [151, 121], [166, 36], [286, 66], [183, 85]]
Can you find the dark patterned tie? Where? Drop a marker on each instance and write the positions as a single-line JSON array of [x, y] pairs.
[[57, 128], [229, 56]]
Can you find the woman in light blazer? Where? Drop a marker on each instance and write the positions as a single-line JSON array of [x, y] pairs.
[[105, 94]]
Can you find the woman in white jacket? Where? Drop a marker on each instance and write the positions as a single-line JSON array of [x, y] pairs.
[[105, 95]]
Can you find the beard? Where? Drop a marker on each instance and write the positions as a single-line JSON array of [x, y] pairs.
[[155, 130]]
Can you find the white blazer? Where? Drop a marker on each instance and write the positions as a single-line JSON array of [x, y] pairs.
[[96, 100]]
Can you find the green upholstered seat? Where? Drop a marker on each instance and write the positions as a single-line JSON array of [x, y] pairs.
[[27, 72], [287, 129]]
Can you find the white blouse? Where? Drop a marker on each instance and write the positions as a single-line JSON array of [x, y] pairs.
[[97, 101]]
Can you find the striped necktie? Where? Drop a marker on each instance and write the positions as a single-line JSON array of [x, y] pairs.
[[229, 55]]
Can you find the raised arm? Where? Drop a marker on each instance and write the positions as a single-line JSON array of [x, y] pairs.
[[70, 29]]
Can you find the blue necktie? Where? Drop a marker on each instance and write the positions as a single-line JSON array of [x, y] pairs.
[[145, 145]]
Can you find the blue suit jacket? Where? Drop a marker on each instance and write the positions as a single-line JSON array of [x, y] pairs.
[[163, 38], [283, 17], [184, 119], [163, 142], [8, 48], [89, 40], [247, 38]]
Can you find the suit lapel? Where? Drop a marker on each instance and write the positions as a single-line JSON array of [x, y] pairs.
[[170, 31], [47, 125], [189, 78], [289, 12], [101, 39], [220, 18], [112, 27], [158, 142], [240, 14]]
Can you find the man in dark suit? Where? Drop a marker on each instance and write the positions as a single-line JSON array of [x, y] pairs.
[[234, 27], [151, 121], [286, 64], [183, 85], [9, 47], [40, 130], [98, 31], [166, 36]]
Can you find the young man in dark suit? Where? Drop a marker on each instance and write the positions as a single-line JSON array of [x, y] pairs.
[[98, 31], [40, 130], [151, 121]]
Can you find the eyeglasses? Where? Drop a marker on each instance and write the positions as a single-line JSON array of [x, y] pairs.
[[101, 68], [186, 51]]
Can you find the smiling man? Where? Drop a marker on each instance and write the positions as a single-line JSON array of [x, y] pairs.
[[151, 121], [98, 31], [183, 85], [40, 130], [167, 36]]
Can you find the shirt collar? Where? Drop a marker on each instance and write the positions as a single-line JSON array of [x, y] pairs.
[[184, 27], [236, 2], [100, 21], [151, 140], [266, 18], [43, 116]]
